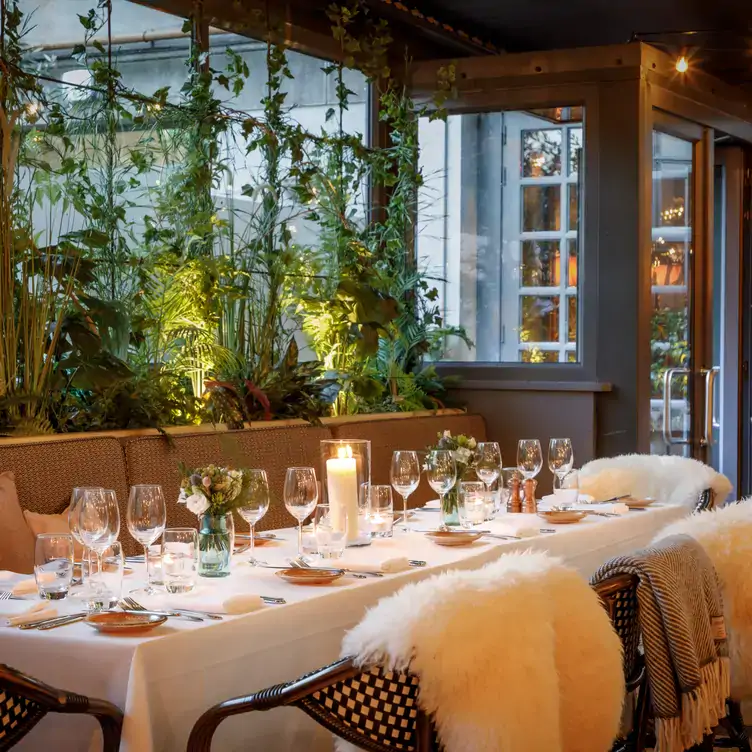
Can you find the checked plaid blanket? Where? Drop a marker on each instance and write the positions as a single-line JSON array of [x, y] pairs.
[[683, 636]]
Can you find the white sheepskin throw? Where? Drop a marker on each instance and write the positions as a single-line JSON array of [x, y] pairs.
[[726, 536], [674, 480], [518, 655]]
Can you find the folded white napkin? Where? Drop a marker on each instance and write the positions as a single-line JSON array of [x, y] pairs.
[[566, 496], [526, 532], [37, 612], [25, 587], [243, 603], [387, 566], [557, 499], [615, 507], [433, 504]]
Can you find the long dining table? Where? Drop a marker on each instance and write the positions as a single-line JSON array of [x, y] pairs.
[[165, 679]]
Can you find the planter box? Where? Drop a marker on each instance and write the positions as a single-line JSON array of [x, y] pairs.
[[124, 435]]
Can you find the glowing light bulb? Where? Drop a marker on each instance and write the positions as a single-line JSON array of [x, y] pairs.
[[682, 64]]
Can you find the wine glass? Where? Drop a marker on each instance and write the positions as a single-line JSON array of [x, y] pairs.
[[487, 462], [256, 503], [529, 458], [74, 509], [560, 459], [301, 492], [146, 517], [95, 523], [405, 477], [441, 470]]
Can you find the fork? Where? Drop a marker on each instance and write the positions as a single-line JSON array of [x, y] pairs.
[[303, 564], [5, 595], [132, 605]]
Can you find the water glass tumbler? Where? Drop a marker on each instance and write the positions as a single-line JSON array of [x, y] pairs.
[[53, 565]]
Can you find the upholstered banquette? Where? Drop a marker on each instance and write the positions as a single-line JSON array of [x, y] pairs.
[[45, 470]]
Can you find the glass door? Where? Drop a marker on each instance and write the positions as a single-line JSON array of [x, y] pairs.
[[671, 277]]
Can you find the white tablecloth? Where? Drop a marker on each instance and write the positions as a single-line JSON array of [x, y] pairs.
[[166, 680]]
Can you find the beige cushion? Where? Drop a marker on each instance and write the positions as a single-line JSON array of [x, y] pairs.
[[16, 539], [52, 523]]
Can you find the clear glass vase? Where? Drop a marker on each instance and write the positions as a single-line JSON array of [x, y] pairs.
[[216, 539], [450, 507]]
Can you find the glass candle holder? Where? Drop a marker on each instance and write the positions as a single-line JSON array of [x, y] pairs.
[[380, 511], [472, 503], [154, 565], [345, 467]]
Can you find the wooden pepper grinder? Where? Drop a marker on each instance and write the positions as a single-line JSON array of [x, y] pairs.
[[531, 506], [515, 503]]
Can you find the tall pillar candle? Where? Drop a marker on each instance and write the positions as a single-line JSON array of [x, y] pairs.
[[342, 490]]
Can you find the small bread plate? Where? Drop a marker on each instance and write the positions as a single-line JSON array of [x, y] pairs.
[[453, 537], [114, 621], [562, 516], [299, 576], [258, 540], [638, 503]]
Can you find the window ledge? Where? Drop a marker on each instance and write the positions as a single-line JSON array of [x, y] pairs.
[[496, 385]]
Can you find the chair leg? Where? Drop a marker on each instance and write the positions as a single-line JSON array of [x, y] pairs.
[[705, 746], [734, 725], [641, 717]]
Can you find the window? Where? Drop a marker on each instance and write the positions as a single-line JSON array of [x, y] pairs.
[[499, 231]]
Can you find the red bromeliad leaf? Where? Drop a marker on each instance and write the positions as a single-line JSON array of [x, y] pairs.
[[261, 397]]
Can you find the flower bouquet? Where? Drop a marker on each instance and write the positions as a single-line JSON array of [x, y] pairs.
[[463, 449], [212, 493]]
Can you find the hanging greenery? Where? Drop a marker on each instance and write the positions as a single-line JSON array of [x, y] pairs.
[[148, 295]]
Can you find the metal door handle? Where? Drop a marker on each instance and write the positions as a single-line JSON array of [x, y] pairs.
[[710, 377], [668, 377]]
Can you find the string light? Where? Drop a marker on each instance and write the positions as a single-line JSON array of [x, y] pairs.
[[682, 64]]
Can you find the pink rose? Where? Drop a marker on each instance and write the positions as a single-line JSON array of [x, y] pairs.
[[207, 482]]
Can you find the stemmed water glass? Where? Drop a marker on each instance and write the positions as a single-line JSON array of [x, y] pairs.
[[256, 503], [405, 477], [487, 462], [98, 524], [529, 458], [74, 510], [301, 492], [441, 470], [560, 459], [146, 517]]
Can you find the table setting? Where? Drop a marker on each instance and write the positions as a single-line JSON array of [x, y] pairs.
[[250, 609]]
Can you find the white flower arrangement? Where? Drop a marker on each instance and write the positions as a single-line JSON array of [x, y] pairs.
[[213, 489]]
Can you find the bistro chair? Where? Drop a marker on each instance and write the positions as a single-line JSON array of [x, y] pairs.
[[619, 597], [371, 708], [378, 710], [25, 701], [706, 501]]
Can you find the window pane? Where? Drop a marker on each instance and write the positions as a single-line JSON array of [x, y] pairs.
[[541, 263], [670, 194], [575, 149], [541, 153], [494, 231], [574, 207], [572, 243], [536, 355], [539, 319], [572, 318], [540, 208], [668, 262]]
